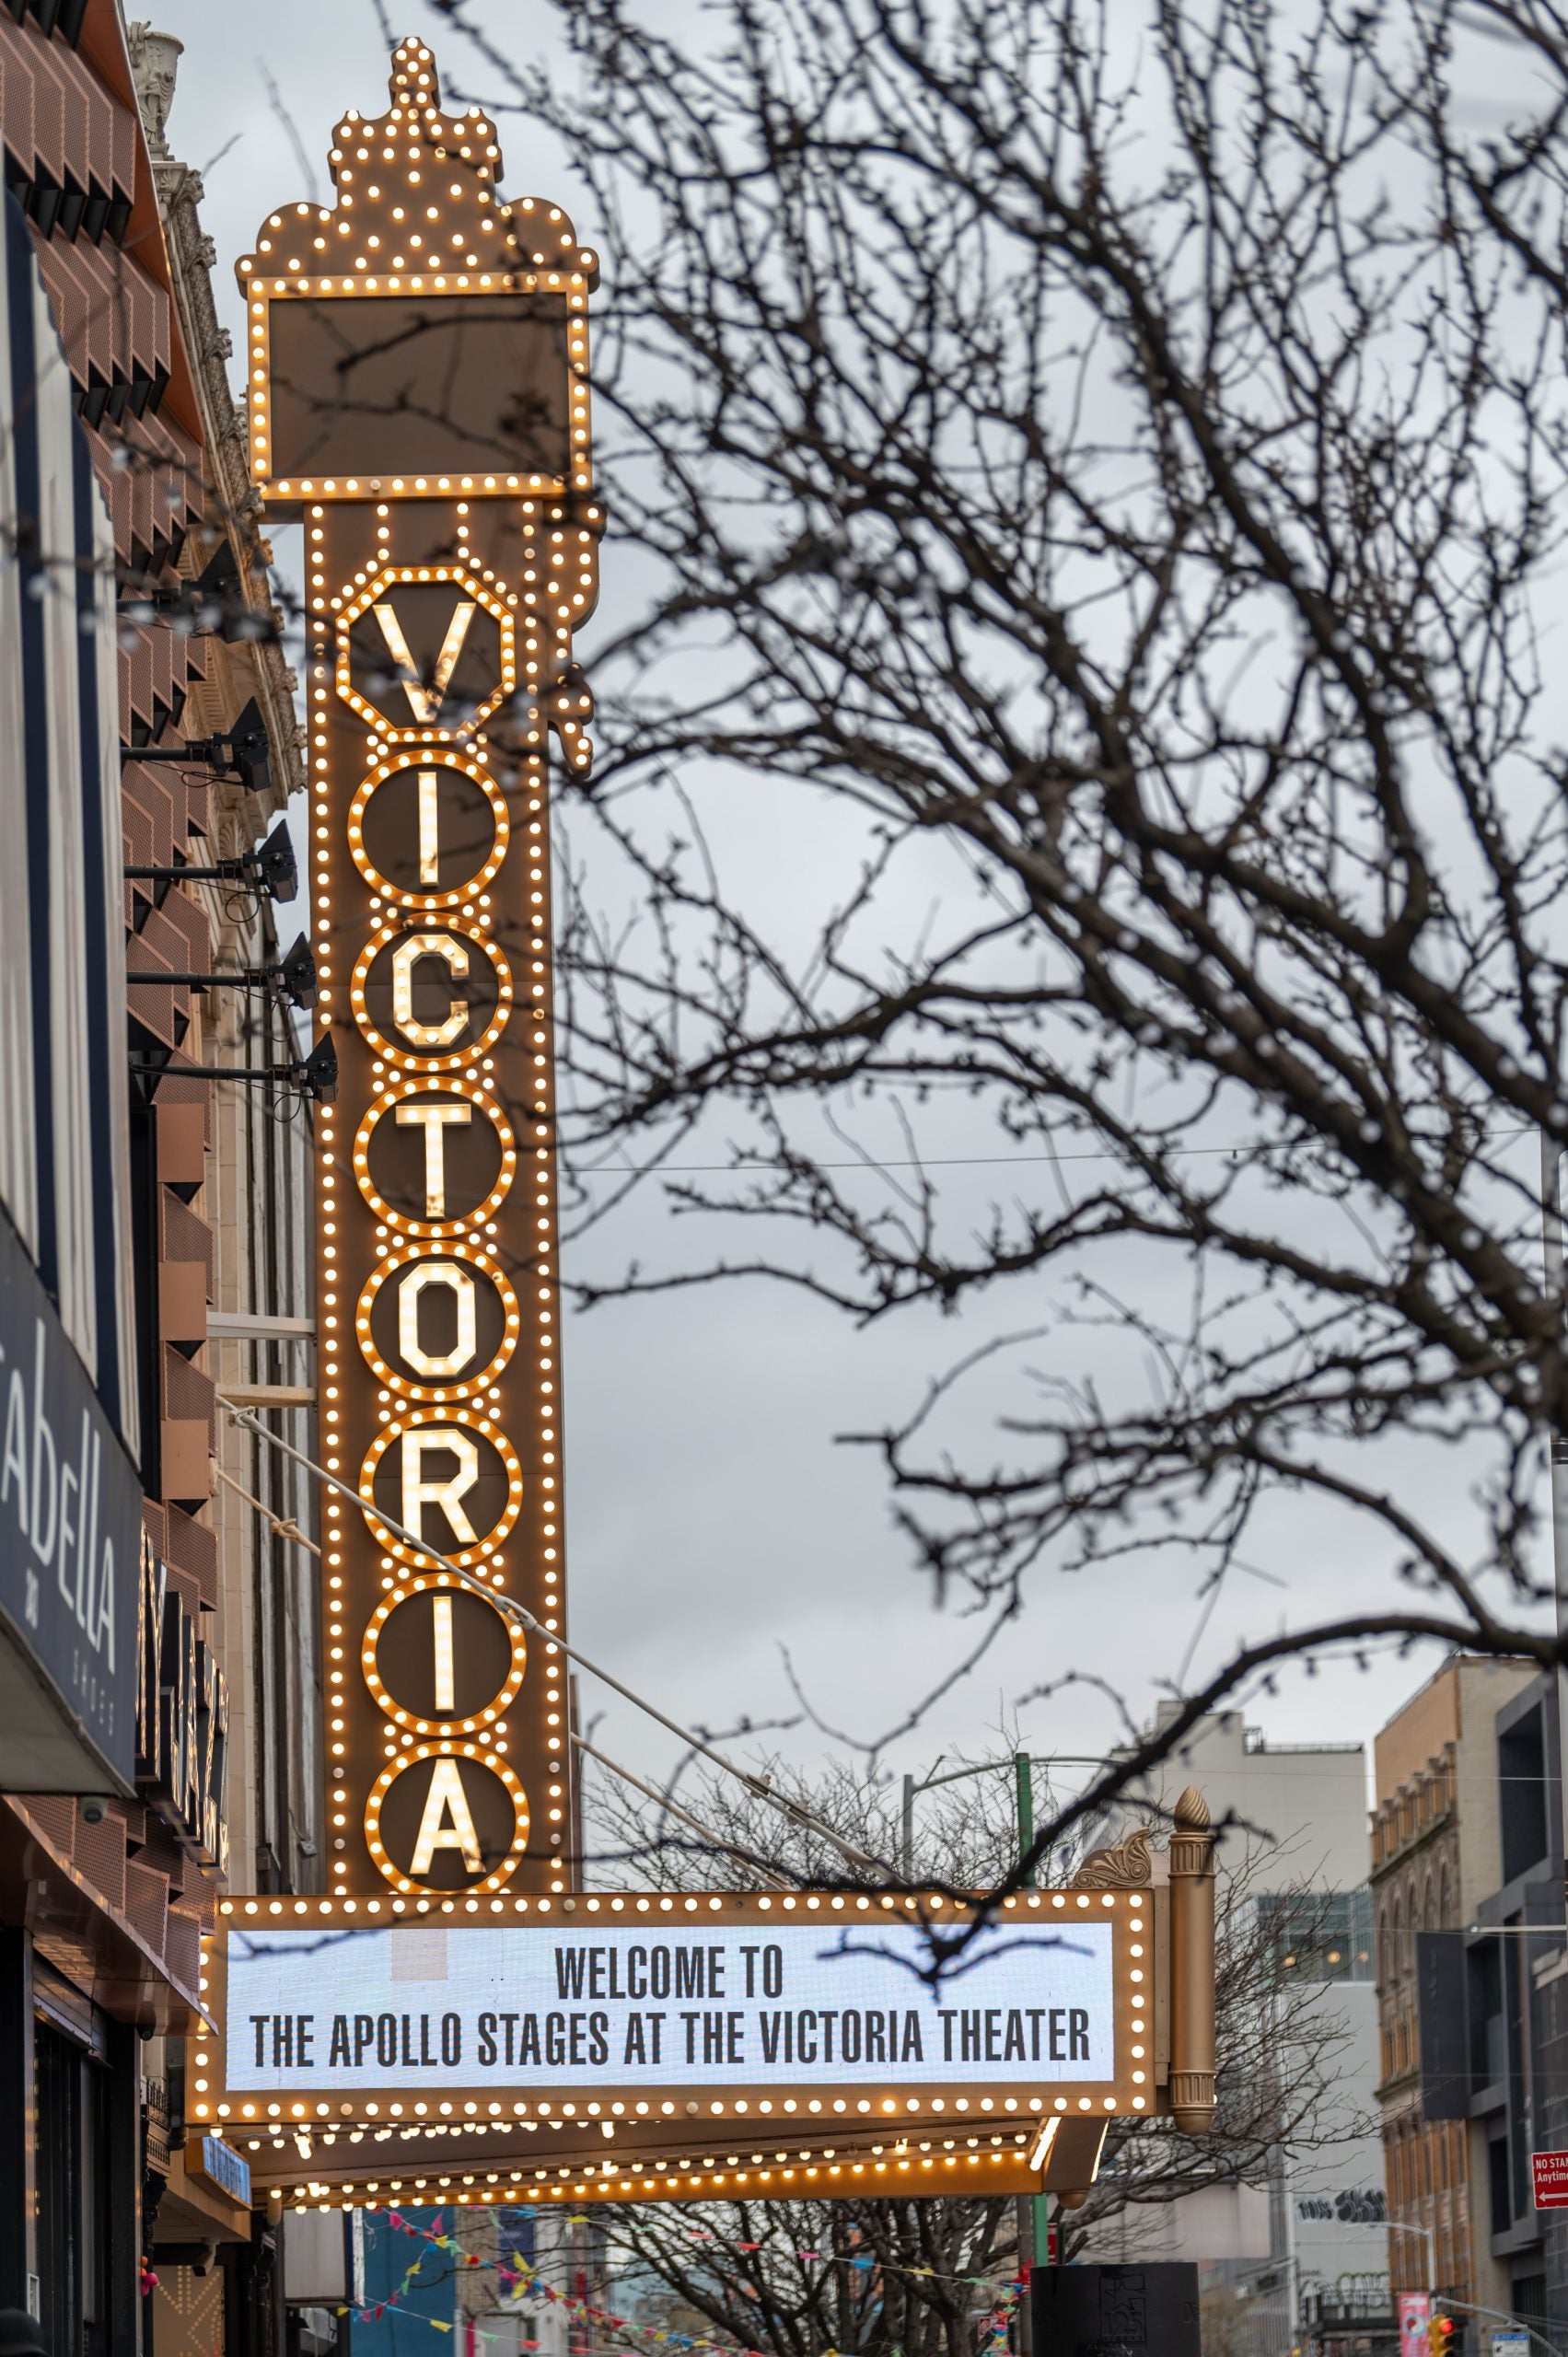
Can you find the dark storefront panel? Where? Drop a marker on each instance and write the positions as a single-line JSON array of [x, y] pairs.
[[70, 1498], [72, 2196], [87, 2100], [70, 1557]]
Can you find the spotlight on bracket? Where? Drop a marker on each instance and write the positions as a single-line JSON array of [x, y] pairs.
[[293, 976], [315, 1076], [242, 752], [212, 600], [272, 869]]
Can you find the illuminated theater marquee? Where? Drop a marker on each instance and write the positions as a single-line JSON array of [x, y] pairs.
[[417, 379], [355, 2011], [418, 384]]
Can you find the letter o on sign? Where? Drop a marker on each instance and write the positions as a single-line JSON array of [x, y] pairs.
[[429, 1295]]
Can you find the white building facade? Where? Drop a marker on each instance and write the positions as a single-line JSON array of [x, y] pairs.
[[1311, 2241]]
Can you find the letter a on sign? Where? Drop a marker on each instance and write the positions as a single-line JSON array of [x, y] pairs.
[[447, 1822]]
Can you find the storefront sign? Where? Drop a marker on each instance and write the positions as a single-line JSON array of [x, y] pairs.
[[221, 2165], [181, 1720], [736, 1999], [419, 395], [70, 1542], [155, 2124]]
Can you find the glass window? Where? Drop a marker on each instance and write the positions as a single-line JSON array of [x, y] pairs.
[[1321, 1935]]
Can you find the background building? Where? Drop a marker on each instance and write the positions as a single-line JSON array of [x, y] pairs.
[[1473, 1969], [1291, 1824], [1437, 1852], [1516, 1999], [257, 1198]]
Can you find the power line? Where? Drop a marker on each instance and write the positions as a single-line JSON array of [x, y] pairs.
[[652, 1793], [952, 1161], [759, 1786]]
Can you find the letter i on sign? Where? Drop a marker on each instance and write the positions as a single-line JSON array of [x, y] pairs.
[[446, 578], [429, 828], [446, 1689]]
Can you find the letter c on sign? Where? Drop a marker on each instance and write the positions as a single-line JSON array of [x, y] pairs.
[[405, 956]]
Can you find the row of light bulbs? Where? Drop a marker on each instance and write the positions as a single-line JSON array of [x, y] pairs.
[[416, 210], [401, 1242]]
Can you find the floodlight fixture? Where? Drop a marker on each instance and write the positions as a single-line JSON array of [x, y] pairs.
[[314, 1077], [293, 976], [272, 869], [213, 601], [242, 752]]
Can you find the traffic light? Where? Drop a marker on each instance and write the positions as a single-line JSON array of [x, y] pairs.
[[1440, 2336]]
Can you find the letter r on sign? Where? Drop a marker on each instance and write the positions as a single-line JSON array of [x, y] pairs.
[[448, 1491]]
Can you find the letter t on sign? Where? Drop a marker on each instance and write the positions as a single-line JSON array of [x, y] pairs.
[[433, 1120]]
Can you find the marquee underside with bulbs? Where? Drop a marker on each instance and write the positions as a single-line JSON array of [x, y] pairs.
[[622, 2045], [923, 2158]]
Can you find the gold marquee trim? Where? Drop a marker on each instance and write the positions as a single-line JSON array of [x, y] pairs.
[[766, 2110], [417, 212]]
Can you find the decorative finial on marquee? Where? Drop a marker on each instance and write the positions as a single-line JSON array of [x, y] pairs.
[[1125, 1865], [417, 201], [1192, 1964]]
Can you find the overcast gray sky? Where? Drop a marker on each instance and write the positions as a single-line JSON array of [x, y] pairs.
[[713, 1520]]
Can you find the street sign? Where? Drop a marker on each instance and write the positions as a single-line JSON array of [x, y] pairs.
[[1510, 2344], [1415, 2314], [740, 2002], [209, 2156], [1548, 2172]]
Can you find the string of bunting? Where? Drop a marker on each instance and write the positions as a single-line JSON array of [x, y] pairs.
[[526, 2279]]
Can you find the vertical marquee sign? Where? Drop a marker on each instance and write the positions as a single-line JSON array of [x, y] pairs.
[[418, 393]]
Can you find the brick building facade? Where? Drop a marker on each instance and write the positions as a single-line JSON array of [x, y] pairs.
[[200, 1203], [1436, 1853]]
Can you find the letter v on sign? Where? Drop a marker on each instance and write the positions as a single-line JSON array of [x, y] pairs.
[[425, 702]]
